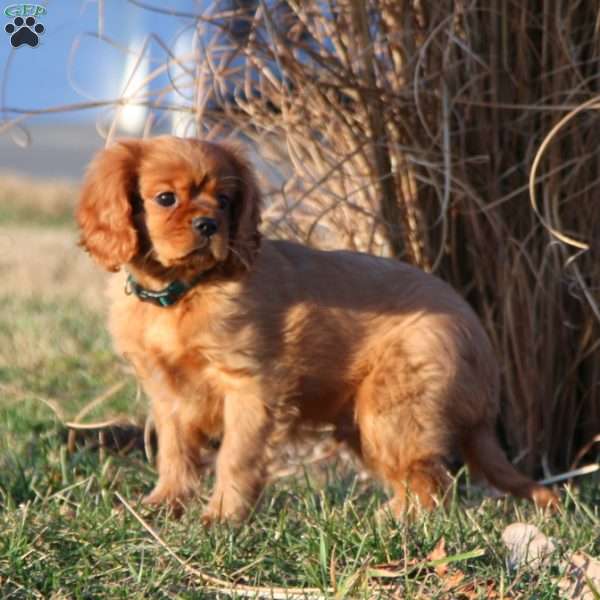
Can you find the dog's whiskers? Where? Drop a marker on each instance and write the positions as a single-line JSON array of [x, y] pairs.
[[240, 257], [147, 256]]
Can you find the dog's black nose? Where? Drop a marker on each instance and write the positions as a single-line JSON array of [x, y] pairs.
[[205, 225]]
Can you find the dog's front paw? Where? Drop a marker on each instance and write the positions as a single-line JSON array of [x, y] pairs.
[[222, 510], [210, 517], [160, 497]]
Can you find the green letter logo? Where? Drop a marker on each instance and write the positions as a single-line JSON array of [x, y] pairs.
[[25, 10]]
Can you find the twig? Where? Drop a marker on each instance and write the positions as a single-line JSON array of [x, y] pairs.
[[76, 425], [570, 474], [220, 585]]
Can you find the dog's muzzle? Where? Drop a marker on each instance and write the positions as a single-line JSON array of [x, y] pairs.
[[205, 226]]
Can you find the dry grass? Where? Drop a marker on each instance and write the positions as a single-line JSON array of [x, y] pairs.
[[37, 200], [46, 263], [39, 255], [409, 128]]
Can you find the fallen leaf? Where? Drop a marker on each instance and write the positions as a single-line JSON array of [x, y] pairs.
[[581, 580], [395, 568], [453, 580], [435, 559], [526, 545], [439, 553], [473, 589]]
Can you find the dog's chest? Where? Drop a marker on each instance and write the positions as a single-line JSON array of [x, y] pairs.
[[188, 356]]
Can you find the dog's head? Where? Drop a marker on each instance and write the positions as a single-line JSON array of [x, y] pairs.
[[170, 203]]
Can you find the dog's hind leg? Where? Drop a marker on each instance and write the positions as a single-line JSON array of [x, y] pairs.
[[402, 440]]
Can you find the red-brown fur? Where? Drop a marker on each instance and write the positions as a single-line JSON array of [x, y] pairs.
[[278, 334]]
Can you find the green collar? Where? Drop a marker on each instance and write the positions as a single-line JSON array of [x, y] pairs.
[[167, 296]]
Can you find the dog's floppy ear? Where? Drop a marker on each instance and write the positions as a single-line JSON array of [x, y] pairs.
[[245, 213], [105, 208]]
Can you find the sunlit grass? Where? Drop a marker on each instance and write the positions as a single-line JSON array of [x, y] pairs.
[[63, 530]]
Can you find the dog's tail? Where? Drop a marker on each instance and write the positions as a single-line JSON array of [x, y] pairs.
[[483, 454]]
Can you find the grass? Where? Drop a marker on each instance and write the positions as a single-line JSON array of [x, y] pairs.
[[64, 533], [41, 202]]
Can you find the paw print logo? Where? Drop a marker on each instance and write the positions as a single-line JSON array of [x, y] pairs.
[[24, 31]]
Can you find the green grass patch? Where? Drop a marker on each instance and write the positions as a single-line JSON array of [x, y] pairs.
[[31, 216], [64, 533]]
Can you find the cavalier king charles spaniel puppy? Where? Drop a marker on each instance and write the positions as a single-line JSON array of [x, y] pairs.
[[242, 339]]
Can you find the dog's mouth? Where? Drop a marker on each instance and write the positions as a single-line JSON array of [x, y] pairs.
[[204, 253], [198, 251]]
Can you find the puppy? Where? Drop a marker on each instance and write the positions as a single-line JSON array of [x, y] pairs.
[[242, 339]]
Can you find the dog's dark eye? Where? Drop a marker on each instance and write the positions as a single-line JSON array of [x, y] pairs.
[[223, 200], [166, 199]]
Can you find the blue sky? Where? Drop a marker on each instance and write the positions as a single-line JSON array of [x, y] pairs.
[[60, 145], [38, 77]]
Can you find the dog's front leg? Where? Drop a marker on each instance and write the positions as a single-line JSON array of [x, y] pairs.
[[242, 459], [180, 442]]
